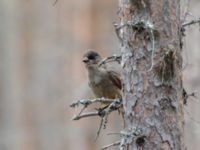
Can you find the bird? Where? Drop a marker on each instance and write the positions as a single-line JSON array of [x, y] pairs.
[[103, 81]]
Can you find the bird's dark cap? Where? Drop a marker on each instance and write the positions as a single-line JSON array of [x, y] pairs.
[[91, 54]]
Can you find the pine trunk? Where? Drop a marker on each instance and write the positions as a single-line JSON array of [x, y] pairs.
[[152, 74]]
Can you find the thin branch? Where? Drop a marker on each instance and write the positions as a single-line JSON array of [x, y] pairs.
[[112, 105], [86, 102], [55, 2], [112, 144], [191, 117], [99, 130], [115, 105], [190, 23], [84, 115], [82, 110], [111, 59], [115, 133], [186, 96]]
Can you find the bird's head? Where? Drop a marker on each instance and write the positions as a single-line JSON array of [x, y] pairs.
[[91, 58]]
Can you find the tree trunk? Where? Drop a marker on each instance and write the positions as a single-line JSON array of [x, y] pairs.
[[152, 75]]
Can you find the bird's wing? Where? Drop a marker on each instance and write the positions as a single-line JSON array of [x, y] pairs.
[[115, 78]]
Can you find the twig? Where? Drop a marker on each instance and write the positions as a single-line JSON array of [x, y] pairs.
[[82, 110], [84, 115], [123, 144], [110, 59], [86, 102], [112, 105], [125, 134], [99, 129], [192, 118], [190, 23], [55, 2], [110, 145], [115, 133], [186, 96], [115, 105]]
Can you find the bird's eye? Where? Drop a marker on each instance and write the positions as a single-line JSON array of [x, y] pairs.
[[91, 57]]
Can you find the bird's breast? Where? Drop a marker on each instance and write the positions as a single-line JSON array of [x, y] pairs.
[[104, 88]]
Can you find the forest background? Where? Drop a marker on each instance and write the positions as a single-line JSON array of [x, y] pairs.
[[41, 72]]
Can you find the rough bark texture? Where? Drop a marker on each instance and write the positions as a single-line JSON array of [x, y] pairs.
[[152, 90]]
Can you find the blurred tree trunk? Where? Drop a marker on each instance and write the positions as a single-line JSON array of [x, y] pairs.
[[152, 77]]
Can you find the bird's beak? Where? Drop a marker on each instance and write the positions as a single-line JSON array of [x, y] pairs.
[[85, 60]]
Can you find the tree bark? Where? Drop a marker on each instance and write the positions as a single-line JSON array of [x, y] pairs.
[[152, 74]]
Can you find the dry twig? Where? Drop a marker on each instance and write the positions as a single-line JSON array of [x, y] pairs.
[[110, 145], [84, 115], [55, 2], [111, 59], [86, 102], [112, 105], [190, 23]]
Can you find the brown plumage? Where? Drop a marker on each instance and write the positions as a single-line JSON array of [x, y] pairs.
[[103, 82]]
